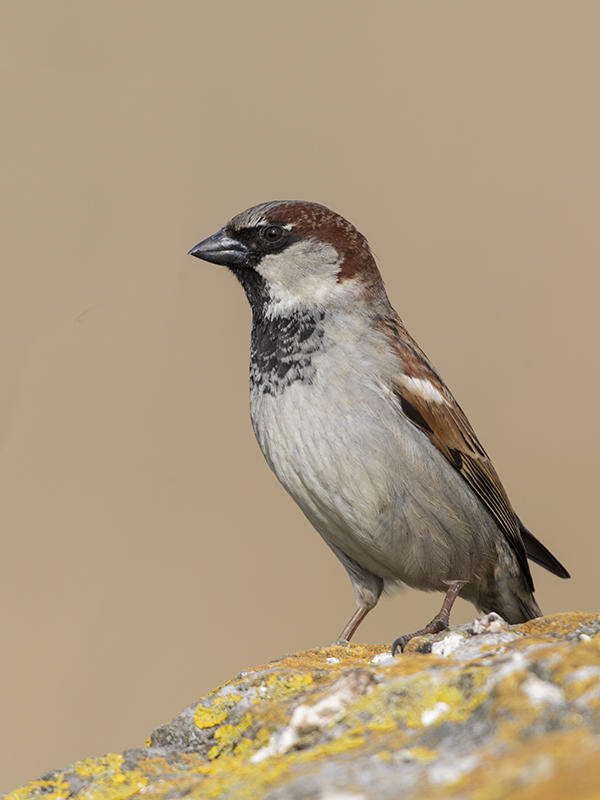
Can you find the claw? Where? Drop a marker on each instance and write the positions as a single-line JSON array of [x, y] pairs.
[[400, 643], [441, 621]]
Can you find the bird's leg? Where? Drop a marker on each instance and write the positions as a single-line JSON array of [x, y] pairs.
[[352, 624], [440, 622]]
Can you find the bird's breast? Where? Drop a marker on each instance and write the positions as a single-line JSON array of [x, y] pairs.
[[369, 481], [323, 421]]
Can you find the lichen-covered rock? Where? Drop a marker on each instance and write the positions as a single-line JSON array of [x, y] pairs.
[[485, 711]]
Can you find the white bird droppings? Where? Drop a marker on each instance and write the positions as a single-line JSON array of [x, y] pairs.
[[542, 692], [430, 715], [448, 644], [383, 659]]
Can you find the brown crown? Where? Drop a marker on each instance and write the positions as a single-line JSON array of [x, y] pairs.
[[314, 221]]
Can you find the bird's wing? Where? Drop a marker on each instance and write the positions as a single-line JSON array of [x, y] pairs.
[[427, 402]]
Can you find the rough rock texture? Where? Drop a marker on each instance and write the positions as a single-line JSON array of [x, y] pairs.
[[486, 711]]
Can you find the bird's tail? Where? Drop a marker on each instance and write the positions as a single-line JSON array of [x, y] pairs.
[[537, 552]]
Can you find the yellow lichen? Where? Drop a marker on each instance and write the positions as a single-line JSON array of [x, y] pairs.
[[281, 685], [50, 789], [228, 736], [341, 744], [386, 723], [421, 753], [97, 766], [208, 717]]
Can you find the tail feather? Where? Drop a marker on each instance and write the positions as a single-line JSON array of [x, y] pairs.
[[537, 552]]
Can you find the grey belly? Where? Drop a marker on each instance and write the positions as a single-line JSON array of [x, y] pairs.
[[376, 488]]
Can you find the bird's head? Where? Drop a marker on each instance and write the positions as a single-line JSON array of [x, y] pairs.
[[292, 255]]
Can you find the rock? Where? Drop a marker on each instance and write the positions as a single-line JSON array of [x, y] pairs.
[[484, 711]]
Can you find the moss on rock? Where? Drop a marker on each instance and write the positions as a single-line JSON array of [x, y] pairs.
[[485, 711]]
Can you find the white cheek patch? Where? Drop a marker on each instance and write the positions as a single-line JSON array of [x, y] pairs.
[[306, 273], [423, 388]]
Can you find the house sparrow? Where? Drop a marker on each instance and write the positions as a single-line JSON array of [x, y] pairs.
[[359, 427]]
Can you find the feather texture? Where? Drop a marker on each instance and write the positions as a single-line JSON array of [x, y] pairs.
[[428, 404]]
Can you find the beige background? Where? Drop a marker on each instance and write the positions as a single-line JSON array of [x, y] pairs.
[[148, 554]]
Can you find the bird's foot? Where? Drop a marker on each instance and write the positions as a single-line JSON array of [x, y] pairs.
[[438, 624], [441, 621]]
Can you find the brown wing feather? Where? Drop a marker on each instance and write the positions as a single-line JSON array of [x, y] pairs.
[[443, 421]]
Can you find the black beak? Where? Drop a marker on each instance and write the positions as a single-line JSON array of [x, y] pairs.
[[221, 248]]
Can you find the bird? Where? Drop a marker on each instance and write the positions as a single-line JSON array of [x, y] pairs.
[[361, 430]]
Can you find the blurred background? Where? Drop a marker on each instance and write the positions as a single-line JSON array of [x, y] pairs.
[[148, 554]]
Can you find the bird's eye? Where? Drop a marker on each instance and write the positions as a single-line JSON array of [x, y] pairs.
[[272, 233]]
